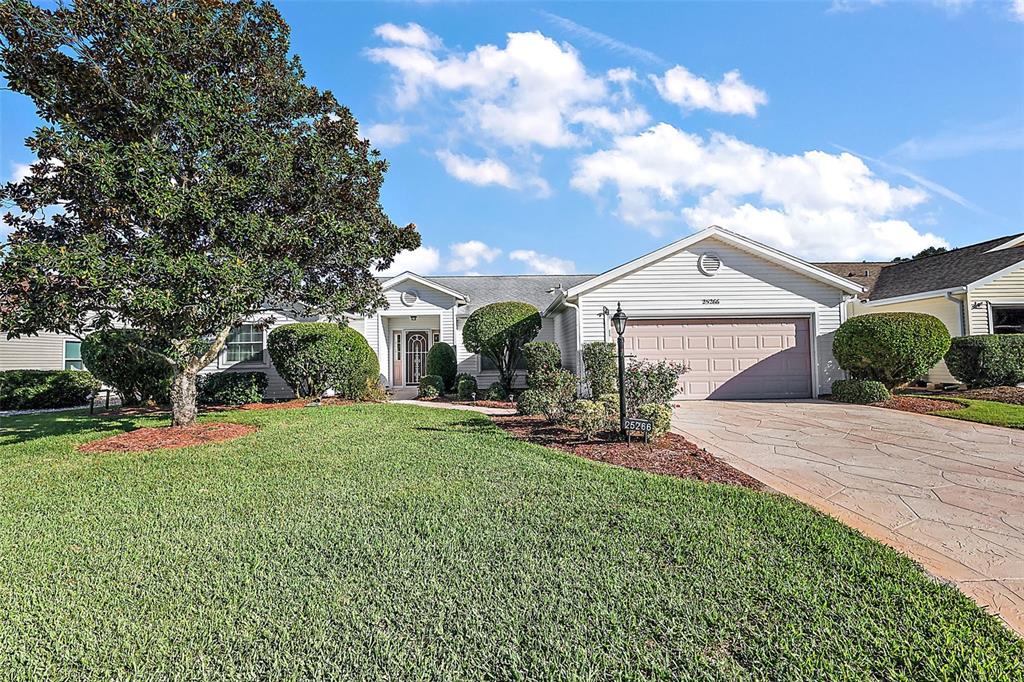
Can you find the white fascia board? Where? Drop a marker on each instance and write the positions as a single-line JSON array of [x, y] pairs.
[[1016, 241], [914, 297], [412, 276], [739, 241]]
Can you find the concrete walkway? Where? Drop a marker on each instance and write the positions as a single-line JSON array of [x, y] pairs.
[[494, 411], [948, 493]]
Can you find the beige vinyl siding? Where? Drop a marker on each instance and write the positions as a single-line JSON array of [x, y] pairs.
[[1007, 289], [939, 306], [746, 285], [45, 351]]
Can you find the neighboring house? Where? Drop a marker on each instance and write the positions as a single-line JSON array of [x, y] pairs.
[[748, 320], [976, 289]]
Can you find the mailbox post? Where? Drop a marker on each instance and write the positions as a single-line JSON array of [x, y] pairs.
[[619, 321]]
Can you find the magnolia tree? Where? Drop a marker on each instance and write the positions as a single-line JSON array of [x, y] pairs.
[[499, 331], [186, 177]]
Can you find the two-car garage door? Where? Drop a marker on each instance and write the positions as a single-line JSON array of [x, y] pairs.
[[735, 359]]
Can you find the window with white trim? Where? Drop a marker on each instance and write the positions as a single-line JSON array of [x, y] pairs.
[[73, 355], [244, 346], [1007, 320]]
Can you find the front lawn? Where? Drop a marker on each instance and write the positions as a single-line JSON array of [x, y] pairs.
[[987, 412], [391, 541]]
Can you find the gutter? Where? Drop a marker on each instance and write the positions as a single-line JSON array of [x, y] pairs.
[[579, 336], [959, 308]]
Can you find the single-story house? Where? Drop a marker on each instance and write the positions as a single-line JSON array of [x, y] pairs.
[[748, 320]]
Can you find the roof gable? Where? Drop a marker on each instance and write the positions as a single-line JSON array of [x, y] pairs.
[[423, 281]]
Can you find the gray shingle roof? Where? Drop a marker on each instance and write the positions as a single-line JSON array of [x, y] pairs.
[[484, 289], [948, 270], [864, 273]]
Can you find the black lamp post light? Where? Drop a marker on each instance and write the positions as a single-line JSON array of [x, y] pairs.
[[619, 322]]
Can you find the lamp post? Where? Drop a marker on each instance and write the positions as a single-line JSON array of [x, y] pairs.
[[619, 322]]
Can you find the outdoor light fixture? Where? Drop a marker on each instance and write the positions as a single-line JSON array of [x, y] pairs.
[[619, 322]]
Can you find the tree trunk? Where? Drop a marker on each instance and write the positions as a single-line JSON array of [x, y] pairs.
[[183, 397]]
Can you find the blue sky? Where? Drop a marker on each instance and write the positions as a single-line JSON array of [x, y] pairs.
[[564, 137]]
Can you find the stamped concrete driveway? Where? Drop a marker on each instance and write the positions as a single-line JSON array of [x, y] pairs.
[[948, 493]]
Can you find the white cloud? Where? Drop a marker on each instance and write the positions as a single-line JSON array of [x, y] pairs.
[[992, 136], [602, 40], [387, 134], [467, 255], [489, 171], [814, 204], [730, 96], [423, 260], [411, 34], [543, 264], [617, 122], [1017, 10], [20, 171]]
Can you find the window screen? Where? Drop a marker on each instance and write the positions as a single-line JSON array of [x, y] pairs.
[[73, 355], [245, 345]]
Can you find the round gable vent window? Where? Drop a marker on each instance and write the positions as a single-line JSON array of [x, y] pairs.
[[709, 264], [410, 297]]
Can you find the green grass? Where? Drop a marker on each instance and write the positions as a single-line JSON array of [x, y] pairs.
[[986, 412], [401, 542]]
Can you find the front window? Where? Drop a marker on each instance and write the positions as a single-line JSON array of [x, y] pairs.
[[245, 345], [1008, 320], [487, 365], [73, 355]]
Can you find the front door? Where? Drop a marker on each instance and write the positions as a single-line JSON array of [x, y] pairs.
[[416, 346]]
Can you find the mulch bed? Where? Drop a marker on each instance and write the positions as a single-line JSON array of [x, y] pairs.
[[156, 438], [1013, 395], [906, 403], [671, 454], [503, 404]]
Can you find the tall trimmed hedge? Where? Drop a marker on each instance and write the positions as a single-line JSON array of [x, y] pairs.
[[441, 361], [120, 358], [891, 348], [315, 357], [987, 360], [40, 389], [601, 366], [542, 357], [499, 331]]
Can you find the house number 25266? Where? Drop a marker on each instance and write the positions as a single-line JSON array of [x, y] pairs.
[[711, 301]]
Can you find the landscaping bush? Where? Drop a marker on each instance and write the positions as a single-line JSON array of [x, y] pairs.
[[556, 395], [601, 367], [530, 402], [987, 360], [611, 404], [231, 388], [660, 416], [496, 392], [467, 388], [498, 331], [315, 357], [859, 391], [541, 358], [37, 389], [651, 382], [431, 386], [375, 393], [892, 348], [441, 361], [590, 417], [124, 359]]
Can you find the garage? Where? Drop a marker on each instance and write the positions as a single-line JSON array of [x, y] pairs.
[[730, 359]]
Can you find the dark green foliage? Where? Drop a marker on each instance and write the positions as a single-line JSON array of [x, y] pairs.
[[542, 357], [198, 175], [464, 375], [441, 361], [601, 366], [37, 389], [859, 391], [466, 388], [530, 402], [315, 357], [659, 414], [231, 388], [496, 392], [499, 331], [987, 360], [281, 554], [892, 348], [651, 382], [131, 362], [431, 386]]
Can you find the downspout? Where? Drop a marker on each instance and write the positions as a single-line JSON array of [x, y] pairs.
[[579, 337], [961, 317]]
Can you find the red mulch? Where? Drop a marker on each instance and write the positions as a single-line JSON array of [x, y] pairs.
[[156, 438], [906, 403], [504, 404], [671, 454]]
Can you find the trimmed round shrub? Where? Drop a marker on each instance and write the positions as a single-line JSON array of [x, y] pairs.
[[231, 388], [496, 392], [124, 359], [590, 417], [859, 391], [660, 416], [601, 366], [987, 360], [42, 389], [467, 388], [315, 357], [892, 348], [441, 361], [541, 357], [530, 402], [499, 331], [431, 386]]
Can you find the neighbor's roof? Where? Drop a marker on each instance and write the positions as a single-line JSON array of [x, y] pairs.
[[864, 273], [949, 270], [484, 289]]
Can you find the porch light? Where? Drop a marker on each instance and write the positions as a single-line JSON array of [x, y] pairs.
[[619, 321]]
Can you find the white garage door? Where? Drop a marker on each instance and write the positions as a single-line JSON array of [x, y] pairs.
[[734, 359]]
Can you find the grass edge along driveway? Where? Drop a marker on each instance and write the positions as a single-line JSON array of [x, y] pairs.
[[375, 541], [985, 412]]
